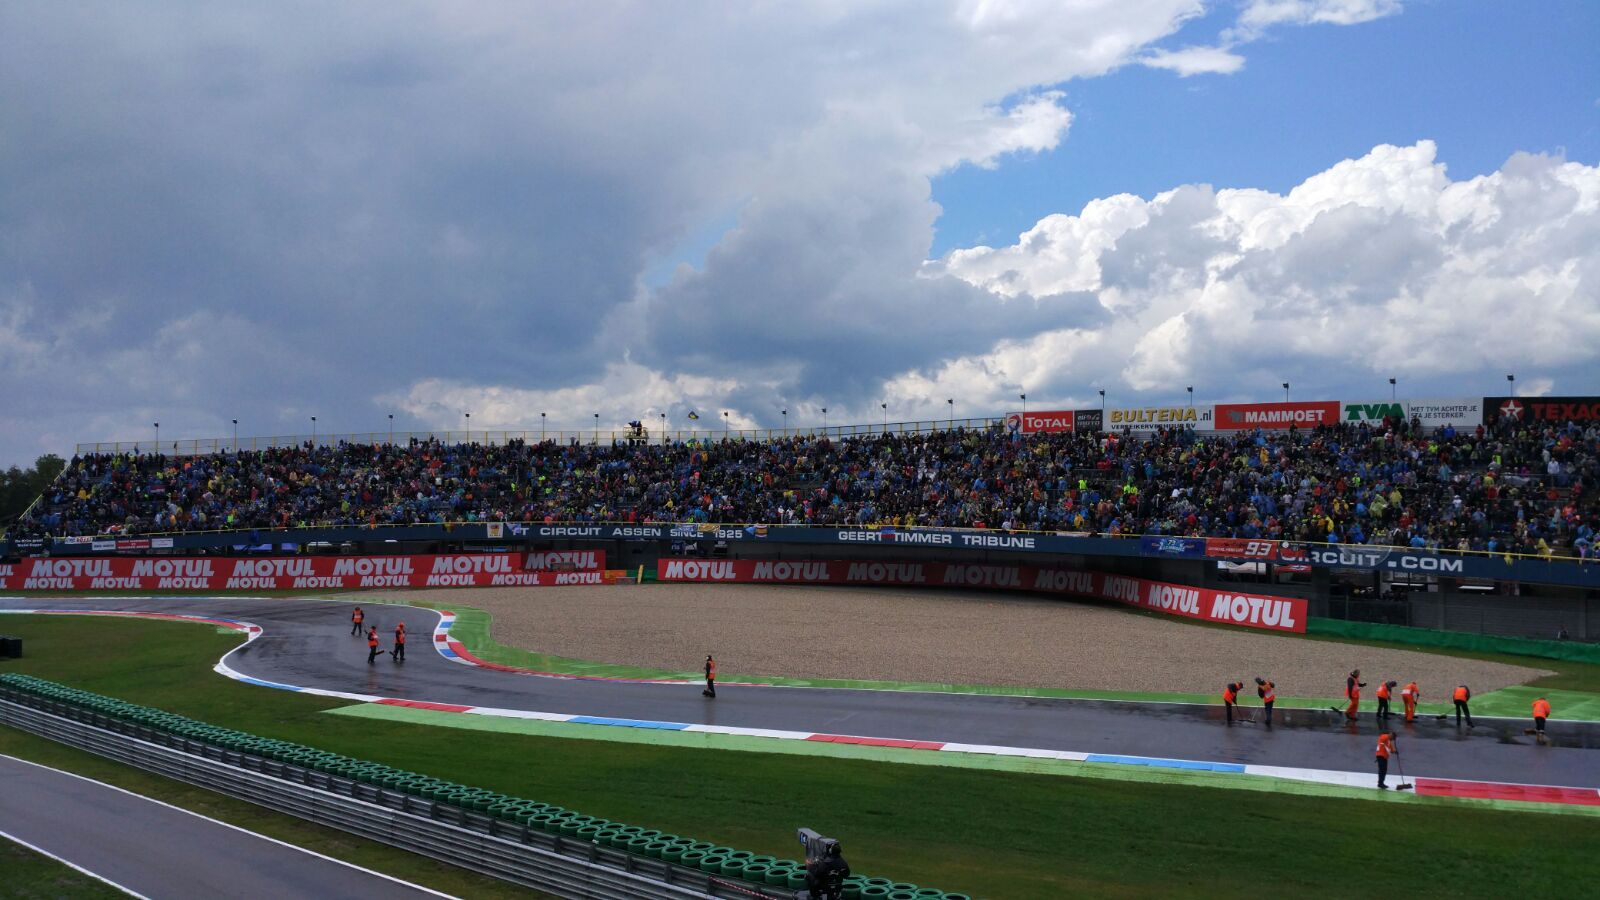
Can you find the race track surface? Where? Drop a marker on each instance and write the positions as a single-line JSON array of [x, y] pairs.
[[307, 643], [155, 850]]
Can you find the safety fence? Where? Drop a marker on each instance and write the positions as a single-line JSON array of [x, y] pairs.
[[537, 845]]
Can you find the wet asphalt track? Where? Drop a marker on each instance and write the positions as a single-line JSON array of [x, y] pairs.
[[110, 833], [307, 643]]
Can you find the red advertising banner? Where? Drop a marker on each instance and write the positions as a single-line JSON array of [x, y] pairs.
[[1041, 422], [1205, 604], [1241, 548], [565, 561], [1275, 416], [268, 573]]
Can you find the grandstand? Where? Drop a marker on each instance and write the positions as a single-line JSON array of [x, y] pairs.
[[1517, 487]]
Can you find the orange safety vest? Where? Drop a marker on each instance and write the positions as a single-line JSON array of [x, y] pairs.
[[400, 635], [1383, 690], [1412, 692], [1541, 708], [356, 617], [1267, 693], [1385, 747], [1461, 692], [372, 638], [711, 668], [1229, 695]]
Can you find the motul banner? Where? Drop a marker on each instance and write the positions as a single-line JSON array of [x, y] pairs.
[[278, 573], [1040, 422], [1276, 416], [565, 560], [1547, 410], [1205, 604]]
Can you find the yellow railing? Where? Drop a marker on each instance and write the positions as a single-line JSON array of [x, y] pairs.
[[591, 436]]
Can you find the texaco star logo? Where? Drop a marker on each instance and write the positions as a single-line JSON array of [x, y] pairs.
[[1511, 409]]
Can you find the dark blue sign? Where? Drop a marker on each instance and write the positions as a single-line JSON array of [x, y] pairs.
[[1161, 545]]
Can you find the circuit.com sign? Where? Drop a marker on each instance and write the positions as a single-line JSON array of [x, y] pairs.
[[1041, 422]]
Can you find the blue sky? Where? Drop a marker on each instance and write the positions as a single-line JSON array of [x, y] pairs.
[[631, 209], [1482, 79]]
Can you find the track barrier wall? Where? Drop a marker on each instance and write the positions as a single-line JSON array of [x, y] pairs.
[[534, 844], [267, 573], [1571, 651], [1229, 607]]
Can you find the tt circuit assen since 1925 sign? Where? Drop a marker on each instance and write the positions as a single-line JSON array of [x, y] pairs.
[[1206, 604]]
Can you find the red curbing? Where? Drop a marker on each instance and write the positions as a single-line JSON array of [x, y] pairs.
[[1489, 790], [877, 742], [424, 704]]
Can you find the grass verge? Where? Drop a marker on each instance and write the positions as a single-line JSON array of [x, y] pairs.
[[997, 834], [34, 876]]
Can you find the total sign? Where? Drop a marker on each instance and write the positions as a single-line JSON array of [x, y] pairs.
[[1040, 422]]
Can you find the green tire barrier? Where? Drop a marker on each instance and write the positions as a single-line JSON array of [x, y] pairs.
[[1571, 651], [646, 842]]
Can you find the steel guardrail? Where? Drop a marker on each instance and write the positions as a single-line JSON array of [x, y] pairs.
[[564, 867]]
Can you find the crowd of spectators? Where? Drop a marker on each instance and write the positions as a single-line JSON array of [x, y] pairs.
[[1518, 488]]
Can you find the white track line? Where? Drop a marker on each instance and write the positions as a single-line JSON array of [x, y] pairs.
[[191, 812], [70, 864]]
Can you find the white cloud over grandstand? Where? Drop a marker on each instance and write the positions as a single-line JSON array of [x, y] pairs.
[[1380, 266], [273, 211]]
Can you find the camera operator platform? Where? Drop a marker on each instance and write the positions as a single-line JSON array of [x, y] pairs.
[[826, 869]]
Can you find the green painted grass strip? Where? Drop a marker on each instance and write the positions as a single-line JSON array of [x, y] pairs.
[[1061, 767]]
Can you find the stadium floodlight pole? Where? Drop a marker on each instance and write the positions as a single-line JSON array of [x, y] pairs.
[[952, 402], [1024, 405], [1511, 379], [597, 429], [391, 429], [313, 431], [663, 428], [824, 420], [1191, 396], [158, 437], [785, 414], [1392, 389], [725, 425], [1286, 392], [468, 426], [236, 435], [541, 428], [885, 408], [1102, 405]]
